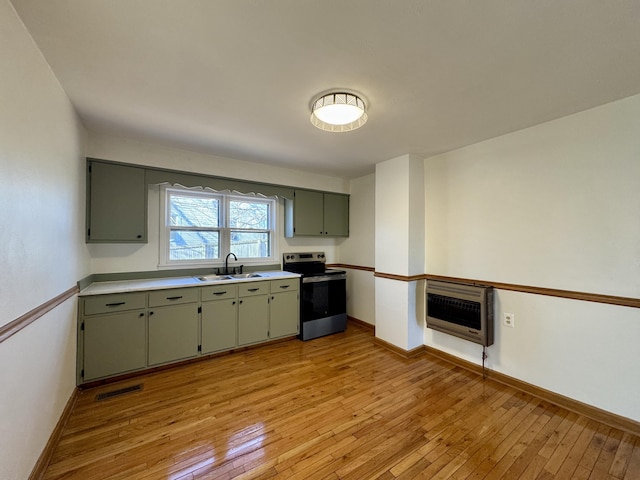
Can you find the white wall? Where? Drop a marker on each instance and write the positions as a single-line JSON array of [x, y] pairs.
[[556, 206], [108, 258], [359, 249], [43, 253]]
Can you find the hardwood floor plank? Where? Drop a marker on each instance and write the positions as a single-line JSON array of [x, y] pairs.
[[622, 456], [633, 467], [561, 451], [592, 452], [509, 451], [337, 407], [577, 450], [607, 454]]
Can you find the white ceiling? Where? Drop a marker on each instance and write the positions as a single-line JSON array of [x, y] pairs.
[[236, 77]]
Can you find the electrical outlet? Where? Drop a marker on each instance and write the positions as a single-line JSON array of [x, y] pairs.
[[509, 320]]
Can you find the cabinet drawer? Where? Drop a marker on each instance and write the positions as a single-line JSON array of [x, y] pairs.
[[219, 292], [174, 296], [253, 288], [284, 285], [117, 302]]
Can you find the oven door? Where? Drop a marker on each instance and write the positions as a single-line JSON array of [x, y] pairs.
[[323, 297]]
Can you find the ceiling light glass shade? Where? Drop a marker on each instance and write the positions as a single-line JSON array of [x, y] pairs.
[[338, 112]]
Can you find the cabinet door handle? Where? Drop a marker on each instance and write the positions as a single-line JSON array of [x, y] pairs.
[[219, 293], [117, 304], [233, 303], [174, 298], [240, 301], [150, 313], [254, 289], [285, 286], [141, 315]]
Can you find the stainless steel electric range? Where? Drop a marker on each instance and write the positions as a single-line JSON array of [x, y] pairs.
[[323, 302]]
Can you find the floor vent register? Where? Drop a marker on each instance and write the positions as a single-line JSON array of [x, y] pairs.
[[117, 393]]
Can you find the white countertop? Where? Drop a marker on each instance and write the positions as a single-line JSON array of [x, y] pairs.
[[123, 286]]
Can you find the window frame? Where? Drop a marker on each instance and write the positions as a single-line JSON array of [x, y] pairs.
[[224, 243]]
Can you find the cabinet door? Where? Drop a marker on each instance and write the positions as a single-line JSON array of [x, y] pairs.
[[284, 314], [114, 344], [253, 319], [308, 213], [219, 325], [116, 204], [336, 215], [173, 333]]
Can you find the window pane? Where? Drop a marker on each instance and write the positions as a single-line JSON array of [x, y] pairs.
[[248, 214], [194, 211], [193, 245], [250, 245]]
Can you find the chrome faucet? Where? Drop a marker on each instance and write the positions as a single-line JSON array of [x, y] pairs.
[[226, 262]]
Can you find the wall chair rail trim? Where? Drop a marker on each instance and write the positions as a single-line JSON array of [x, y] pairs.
[[352, 267], [31, 316], [550, 292], [400, 278]]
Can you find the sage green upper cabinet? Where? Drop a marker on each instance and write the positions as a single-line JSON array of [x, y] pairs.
[[313, 213], [116, 203], [336, 215], [308, 213]]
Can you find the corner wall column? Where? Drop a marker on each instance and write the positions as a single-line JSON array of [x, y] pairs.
[[400, 250]]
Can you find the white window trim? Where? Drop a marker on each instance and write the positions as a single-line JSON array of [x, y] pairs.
[[225, 197]]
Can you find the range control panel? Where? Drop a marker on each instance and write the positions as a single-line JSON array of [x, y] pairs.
[[303, 257]]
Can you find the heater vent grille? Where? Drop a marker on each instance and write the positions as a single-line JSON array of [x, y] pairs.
[[465, 311]]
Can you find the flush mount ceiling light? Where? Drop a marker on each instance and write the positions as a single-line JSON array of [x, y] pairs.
[[338, 112]]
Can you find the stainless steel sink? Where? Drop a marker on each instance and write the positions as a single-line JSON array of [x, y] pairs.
[[213, 278], [235, 276]]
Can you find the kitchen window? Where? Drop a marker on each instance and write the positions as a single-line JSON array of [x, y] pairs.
[[200, 227]]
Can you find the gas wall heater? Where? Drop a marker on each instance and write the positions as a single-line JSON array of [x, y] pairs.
[[462, 310]]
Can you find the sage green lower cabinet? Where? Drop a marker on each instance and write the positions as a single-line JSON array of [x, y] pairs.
[[124, 332], [253, 312], [253, 320], [284, 308], [219, 318], [114, 343], [284, 314], [173, 333]]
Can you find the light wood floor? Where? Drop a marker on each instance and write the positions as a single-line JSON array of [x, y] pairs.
[[339, 407]]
